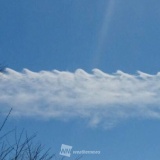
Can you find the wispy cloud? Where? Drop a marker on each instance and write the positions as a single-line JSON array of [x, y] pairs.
[[98, 97], [103, 31]]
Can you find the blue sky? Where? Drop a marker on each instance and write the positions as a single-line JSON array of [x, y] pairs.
[[67, 35]]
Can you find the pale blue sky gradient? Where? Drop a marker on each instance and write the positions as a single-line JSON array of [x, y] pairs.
[[69, 34]]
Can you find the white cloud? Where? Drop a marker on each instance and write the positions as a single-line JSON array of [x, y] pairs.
[[99, 98]]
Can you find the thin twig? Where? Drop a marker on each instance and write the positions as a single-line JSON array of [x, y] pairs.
[[5, 120]]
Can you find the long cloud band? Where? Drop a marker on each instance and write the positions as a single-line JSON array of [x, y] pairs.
[[96, 96]]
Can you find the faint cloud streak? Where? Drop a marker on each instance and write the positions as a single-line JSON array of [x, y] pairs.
[[104, 31]]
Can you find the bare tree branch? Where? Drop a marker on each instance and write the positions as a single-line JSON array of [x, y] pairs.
[[5, 120]]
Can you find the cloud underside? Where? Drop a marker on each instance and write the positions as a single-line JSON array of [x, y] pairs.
[[97, 97]]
